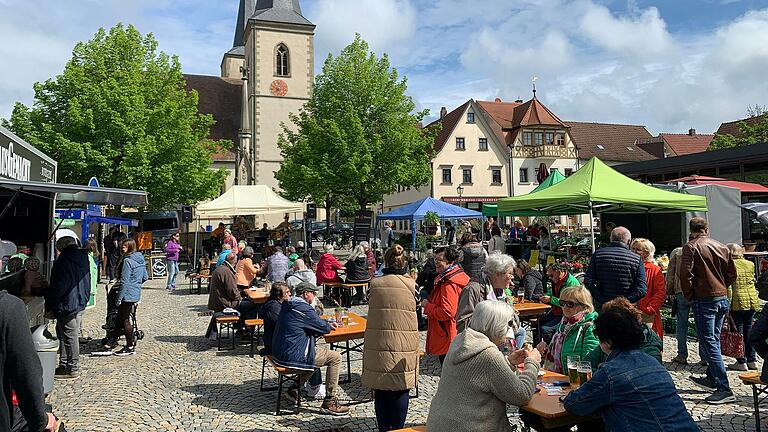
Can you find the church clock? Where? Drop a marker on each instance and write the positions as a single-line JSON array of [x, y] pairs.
[[278, 88]]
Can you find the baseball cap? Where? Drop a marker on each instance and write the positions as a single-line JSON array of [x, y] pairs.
[[305, 287]]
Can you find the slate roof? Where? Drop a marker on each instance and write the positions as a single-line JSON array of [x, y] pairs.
[[222, 98], [449, 123], [280, 11], [732, 128], [618, 141], [683, 144]]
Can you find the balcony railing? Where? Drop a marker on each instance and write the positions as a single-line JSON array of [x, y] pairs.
[[545, 151]]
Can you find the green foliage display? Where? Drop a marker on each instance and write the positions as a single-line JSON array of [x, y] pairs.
[[431, 218], [357, 137], [757, 133], [120, 112]]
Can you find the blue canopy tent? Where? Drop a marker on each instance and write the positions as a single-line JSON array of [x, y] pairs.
[[416, 211]]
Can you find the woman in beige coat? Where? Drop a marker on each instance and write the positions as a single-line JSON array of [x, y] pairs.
[[391, 349]]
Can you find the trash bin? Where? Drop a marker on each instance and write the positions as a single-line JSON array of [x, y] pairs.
[[47, 350]]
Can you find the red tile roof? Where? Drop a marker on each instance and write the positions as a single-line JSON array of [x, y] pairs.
[[618, 141], [449, 123], [683, 144], [742, 186], [732, 128], [222, 98], [515, 115]]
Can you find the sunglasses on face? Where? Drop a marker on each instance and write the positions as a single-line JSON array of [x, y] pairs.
[[569, 304]]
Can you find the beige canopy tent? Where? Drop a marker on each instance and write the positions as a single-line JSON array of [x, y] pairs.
[[247, 200]]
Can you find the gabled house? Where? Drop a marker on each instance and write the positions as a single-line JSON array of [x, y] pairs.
[[669, 145]]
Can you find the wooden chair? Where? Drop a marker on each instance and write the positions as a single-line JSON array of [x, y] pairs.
[[283, 375], [256, 326], [226, 322], [759, 392]]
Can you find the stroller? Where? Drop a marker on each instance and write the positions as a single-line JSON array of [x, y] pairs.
[[112, 326]]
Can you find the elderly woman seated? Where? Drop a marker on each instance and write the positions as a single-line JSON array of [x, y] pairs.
[[477, 380], [497, 275]]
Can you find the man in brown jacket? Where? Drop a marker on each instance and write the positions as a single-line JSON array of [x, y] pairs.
[[706, 271], [224, 292]]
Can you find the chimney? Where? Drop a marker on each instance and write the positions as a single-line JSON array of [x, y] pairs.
[[518, 101], [691, 131], [497, 100], [443, 112]]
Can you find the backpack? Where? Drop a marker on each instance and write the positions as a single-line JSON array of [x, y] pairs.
[[762, 286]]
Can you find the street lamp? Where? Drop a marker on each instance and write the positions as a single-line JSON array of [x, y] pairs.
[[460, 191]]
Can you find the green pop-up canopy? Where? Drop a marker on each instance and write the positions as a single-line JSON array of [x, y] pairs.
[[554, 178], [596, 187]]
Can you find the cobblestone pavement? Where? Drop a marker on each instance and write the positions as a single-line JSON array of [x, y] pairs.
[[179, 381]]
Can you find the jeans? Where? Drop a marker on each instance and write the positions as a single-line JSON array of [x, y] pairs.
[[248, 310], [709, 316], [173, 271], [391, 408], [68, 332], [520, 337], [743, 321]]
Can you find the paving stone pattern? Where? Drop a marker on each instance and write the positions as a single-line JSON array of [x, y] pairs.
[[178, 381]]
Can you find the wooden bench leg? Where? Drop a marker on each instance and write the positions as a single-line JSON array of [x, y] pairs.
[[279, 392], [756, 401], [229, 327], [261, 383]]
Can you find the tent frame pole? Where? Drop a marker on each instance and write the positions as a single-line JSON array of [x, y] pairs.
[[592, 226]]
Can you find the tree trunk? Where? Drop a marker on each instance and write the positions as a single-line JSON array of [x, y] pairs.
[[327, 217]]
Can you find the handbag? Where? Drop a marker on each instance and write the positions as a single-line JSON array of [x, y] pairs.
[[731, 340]]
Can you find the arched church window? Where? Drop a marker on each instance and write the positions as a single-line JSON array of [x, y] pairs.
[[282, 61]]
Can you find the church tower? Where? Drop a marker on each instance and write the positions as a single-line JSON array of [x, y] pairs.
[[273, 52]]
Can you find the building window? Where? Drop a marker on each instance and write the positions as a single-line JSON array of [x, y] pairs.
[[483, 144], [539, 138], [447, 176], [496, 176], [523, 175], [282, 61], [459, 143], [470, 117], [550, 137], [560, 139], [568, 172], [526, 138], [466, 175]]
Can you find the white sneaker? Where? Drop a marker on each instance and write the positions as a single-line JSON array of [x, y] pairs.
[[316, 392]]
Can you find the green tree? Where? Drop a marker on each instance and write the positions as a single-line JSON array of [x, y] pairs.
[[755, 133], [120, 112], [357, 138]]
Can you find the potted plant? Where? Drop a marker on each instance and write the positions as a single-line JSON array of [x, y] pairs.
[[431, 221]]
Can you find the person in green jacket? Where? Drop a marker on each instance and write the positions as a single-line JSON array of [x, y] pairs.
[[574, 335], [651, 345], [744, 303], [560, 279], [93, 259]]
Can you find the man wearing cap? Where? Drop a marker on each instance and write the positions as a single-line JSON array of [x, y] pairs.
[[293, 345]]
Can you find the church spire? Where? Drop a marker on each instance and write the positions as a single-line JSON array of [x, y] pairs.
[[280, 11], [243, 13]]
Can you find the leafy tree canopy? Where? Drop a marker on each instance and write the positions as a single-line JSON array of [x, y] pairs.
[[120, 112], [749, 133], [357, 138]]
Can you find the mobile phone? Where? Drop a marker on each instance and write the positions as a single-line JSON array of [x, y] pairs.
[[561, 383]]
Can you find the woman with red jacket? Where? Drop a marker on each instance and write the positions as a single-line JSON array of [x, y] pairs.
[[327, 266], [650, 305], [443, 302]]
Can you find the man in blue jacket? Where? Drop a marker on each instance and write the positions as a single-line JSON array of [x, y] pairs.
[[66, 300], [615, 271], [293, 345]]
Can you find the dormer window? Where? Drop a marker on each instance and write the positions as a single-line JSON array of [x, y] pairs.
[[282, 61], [470, 117], [600, 146]]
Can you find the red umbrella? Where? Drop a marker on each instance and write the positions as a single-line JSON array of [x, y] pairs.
[[543, 173]]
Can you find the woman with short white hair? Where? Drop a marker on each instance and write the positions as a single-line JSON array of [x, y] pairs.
[[356, 269], [497, 275], [477, 380], [327, 267]]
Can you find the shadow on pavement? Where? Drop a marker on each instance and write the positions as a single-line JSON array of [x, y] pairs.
[[194, 343]]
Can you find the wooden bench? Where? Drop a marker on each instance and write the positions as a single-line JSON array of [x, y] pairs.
[[196, 278], [413, 429], [226, 322], [283, 375], [255, 326], [752, 379], [347, 290]]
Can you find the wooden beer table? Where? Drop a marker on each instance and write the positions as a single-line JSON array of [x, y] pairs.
[[257, 296], [530, 309], [548, 408], [355, 331]]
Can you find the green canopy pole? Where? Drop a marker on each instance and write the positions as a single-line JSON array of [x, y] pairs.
[[592, 226]]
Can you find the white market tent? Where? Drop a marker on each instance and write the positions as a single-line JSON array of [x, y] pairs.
[[247, 200]]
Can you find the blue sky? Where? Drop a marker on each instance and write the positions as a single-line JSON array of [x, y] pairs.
[[669, 65]]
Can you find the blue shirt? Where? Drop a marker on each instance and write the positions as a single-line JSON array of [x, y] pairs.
[[633, 393], [222, 257]]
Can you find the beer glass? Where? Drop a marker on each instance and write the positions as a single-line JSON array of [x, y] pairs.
[[573, 370], [585, 372]]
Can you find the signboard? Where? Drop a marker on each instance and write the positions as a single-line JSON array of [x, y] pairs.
[[20, 161], [362, 228], [157, 263]]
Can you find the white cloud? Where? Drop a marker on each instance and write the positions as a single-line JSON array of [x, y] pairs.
[[644, 35]]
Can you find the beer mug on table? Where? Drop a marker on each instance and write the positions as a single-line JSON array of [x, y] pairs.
[[573, 370]]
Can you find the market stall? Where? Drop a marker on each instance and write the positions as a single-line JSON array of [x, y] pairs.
[[597, 188]]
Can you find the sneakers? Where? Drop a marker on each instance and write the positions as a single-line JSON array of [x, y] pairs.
[[721, 397], [680, 360], [703, 363], [752, 365], [737, 366], [331, 406], [63, 374], [60, 370], [703, 382], [126, 351]]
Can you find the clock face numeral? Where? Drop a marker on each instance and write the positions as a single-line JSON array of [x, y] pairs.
[[278, 88]]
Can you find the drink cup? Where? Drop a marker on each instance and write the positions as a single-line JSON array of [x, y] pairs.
[[585, 372], [338, 315], [573, 370], [520, 296], [345, 320]]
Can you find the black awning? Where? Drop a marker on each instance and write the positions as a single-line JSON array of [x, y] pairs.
[[77, 194]]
